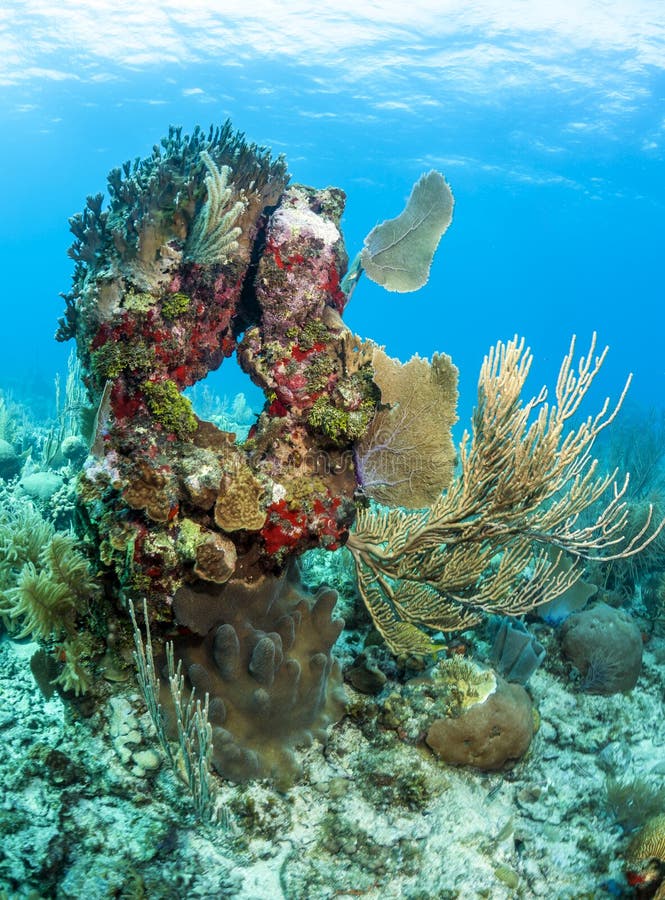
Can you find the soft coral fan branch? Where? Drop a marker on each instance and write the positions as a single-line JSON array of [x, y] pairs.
[[215, 234], [524, 484]]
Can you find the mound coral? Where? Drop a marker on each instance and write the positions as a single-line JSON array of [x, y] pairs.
[[489, 735], [605, 646]]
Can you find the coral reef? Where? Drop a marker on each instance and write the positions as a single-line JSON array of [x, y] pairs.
[[201, 243], [205, 251], [373, 814], [439, 778]]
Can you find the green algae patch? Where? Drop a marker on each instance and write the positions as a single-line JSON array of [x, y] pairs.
[[175, 305], [169, 407]]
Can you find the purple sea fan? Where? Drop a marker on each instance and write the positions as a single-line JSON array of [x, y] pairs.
[[386, 461]]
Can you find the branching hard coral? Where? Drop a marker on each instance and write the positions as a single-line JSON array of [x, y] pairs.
[[214, 233], [482, 546]]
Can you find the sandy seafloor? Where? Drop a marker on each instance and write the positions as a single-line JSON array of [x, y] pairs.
[[372, 816]]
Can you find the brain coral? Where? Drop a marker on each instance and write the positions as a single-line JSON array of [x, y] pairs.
[[645, 858]]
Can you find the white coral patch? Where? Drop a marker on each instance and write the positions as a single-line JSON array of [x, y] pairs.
[[287, 223]]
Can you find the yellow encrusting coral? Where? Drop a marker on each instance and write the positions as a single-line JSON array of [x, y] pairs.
[[170, 408], [240, 504]]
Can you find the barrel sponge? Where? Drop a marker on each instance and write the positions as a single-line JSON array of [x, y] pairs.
[[261, 650]]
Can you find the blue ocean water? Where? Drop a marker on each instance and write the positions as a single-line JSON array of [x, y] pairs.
[[548, 126]]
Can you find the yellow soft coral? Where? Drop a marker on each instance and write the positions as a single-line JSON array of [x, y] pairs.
[[45, 600], [39, 604], [45, 583]]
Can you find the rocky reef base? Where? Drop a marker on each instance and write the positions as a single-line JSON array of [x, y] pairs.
[[89, 809]]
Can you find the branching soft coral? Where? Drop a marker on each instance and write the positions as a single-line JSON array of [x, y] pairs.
[[526, 479], [46, 600], [45, 583], [23, 536], [41, 605]]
